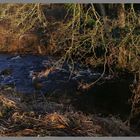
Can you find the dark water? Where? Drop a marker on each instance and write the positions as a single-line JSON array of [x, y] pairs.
[[19, 69], [111, 96], [16, 71]]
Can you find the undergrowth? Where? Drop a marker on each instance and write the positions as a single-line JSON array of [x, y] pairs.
[[83, 36]]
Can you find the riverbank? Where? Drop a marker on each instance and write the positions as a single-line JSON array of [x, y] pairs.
[[41, 117]]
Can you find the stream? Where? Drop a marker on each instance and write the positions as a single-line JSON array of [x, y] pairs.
[[18, 72]]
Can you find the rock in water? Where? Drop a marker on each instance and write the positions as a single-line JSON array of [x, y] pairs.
[[6, 72], [15, 58]]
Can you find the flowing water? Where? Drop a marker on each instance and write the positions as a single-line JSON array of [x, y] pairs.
[[18, 73]]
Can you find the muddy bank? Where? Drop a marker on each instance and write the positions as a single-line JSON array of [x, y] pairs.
[[20, 119]]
